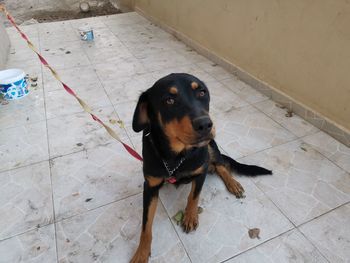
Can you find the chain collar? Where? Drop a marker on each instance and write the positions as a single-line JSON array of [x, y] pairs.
[[172, 171], [165, 163]]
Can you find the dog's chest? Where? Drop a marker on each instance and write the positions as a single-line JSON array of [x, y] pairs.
[[179, 168]]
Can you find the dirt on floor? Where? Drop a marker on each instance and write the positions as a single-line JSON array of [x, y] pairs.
[[49, 16]]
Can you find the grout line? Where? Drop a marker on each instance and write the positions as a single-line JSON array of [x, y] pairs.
[[114, 106], [56, 157], [69, 217], [324, 155], [23, 166], [49, 153], [107, 95], [251, 248], [97, 207], [26, 231], [115, 110], [327, 212], [269, 148], [177, 234], [278, 208], [306, 222], [309, 221], [77, 112], [312, 244], [280, 124]]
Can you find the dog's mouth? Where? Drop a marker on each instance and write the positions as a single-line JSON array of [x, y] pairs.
[[199, 142]]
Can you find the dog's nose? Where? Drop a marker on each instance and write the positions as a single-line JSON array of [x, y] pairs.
[[202, 125]]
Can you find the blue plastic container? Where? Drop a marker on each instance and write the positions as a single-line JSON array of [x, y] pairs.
[[86, 33], [13, 84]]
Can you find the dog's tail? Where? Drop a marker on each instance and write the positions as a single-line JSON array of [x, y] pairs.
[[244, 169]]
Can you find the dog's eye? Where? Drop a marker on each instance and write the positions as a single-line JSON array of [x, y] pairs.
[[202, 93], [170, 101]]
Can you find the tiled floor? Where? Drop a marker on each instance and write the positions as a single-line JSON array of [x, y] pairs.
[[69, 193]]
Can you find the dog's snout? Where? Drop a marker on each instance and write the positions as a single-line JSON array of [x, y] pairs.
[[202, 125]]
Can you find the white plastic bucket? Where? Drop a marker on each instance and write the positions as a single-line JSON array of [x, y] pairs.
[[13, 84]]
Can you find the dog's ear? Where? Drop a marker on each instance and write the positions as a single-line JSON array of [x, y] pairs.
[[140, 119]]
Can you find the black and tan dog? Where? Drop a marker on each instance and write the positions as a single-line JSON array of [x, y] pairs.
[[179, 147]]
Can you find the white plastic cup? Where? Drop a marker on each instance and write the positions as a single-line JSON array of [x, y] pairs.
[[13, 84]]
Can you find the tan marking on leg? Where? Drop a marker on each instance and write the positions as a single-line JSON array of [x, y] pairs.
[[198, 171], [153, 181], [144, 249], [232, 185], [194, 85], [190, 221]]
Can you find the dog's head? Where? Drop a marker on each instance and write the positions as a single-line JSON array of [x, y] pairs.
[[178, 104]]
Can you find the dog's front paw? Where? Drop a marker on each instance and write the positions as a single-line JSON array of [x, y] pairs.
[[141, 256], [190, 221], [235, 188]]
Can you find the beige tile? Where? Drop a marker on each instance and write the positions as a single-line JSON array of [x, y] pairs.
[[144, 48], [77, 78], [330, 234], [61, 49], [23, 145], [222, 99], [107, 54], [336, 132], [56, 32], [331, 148], [225, 221], [126, 89], [20, 46], [74, 59], [30, 30], [25, 199], [29, 109], [310, 116], [190, 69], [245, 130], [294, 124], [34, 246], [290, 247], [19, 51], [88, 179], [164, 59], [103, 38], [119, 70], [76, 132], [125, 111], [304, 183], [191, 55], [215, 70], [33, 62], [60, 103], [244, 91], [120, 20], [94, 22], [112, 232]]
